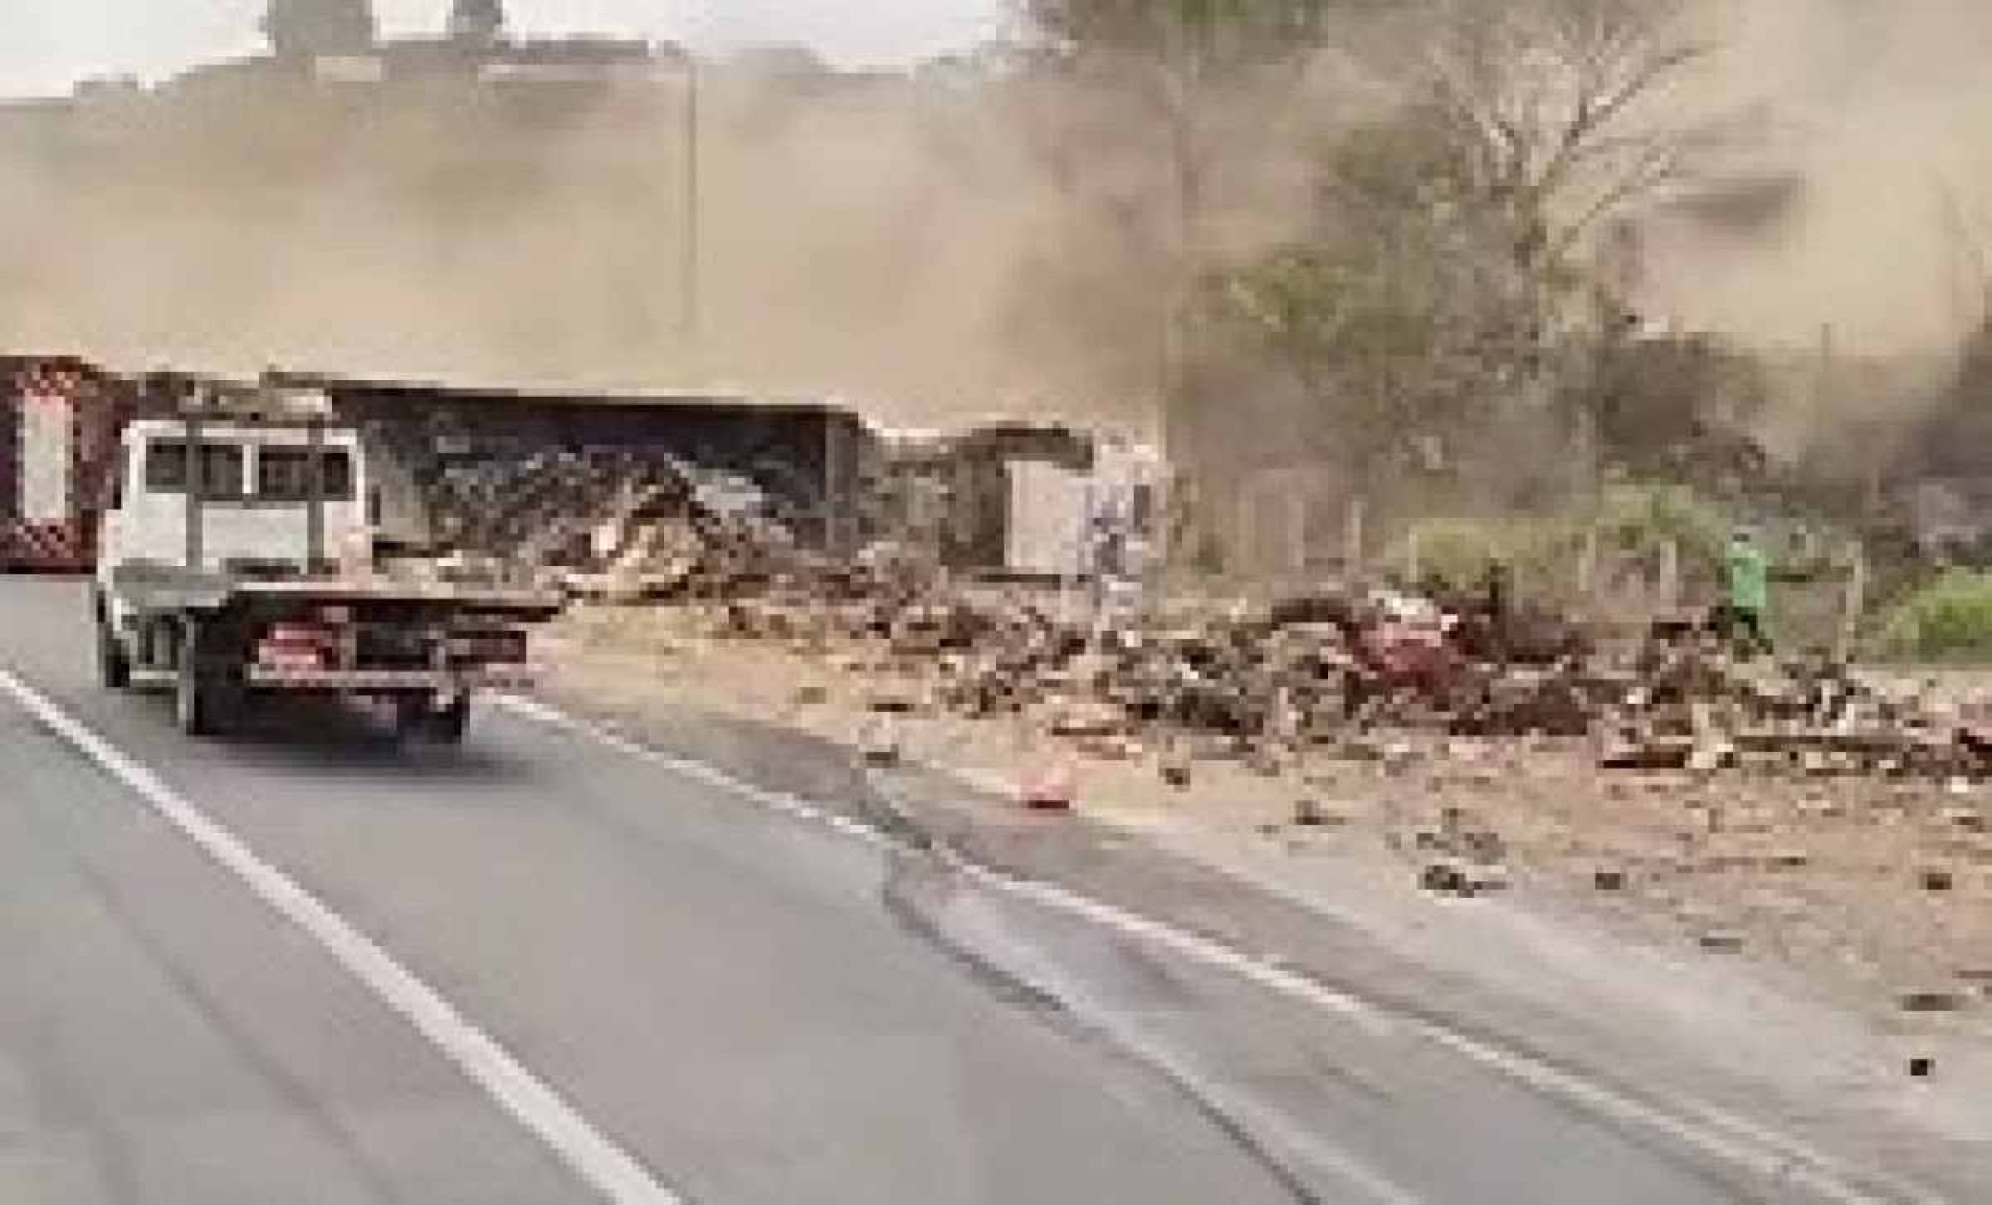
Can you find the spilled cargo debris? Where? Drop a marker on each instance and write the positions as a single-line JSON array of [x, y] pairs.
[[1331, 669], [1649, 771]]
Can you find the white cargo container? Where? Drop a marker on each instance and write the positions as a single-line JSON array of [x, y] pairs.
[[1084, 524], [1046, 528]]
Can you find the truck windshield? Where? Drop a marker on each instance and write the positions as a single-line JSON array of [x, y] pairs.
[[284, 474], [221, 469]]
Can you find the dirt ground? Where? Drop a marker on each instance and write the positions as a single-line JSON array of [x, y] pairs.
[[1876, 893]]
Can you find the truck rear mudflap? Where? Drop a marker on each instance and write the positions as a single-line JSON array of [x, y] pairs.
[[390, 681]]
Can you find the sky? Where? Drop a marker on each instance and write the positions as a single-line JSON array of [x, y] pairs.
[[47, 44]]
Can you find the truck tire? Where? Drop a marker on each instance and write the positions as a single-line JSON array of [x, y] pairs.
[[113, 663], [207, 701], [411, 716], [193, 698], [447, 727]]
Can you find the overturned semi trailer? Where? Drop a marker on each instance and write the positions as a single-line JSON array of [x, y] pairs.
[[808, 458]]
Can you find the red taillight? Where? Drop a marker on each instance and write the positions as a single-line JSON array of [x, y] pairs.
[[286, 657], [297, 633], [294, 646]]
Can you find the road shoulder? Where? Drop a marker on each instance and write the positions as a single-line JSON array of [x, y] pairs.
[[1527, 969]]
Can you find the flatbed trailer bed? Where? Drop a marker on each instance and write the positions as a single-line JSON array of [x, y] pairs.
[[160, 588], [215, 638]]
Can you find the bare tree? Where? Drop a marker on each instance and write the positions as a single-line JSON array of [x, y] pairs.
[[1548, 101], [1440, 279]]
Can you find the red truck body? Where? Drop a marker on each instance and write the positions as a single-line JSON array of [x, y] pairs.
[[59, 423]]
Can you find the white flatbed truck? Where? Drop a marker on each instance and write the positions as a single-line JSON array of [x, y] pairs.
[[235, 561]]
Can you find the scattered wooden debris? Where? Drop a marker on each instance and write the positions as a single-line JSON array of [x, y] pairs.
[[1308, 812], [1935, 1001], [1457, 876]]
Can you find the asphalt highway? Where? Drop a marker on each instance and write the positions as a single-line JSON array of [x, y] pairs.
[[300, 965]]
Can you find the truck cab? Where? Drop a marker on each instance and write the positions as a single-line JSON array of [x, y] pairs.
[[276, 491], [255, 492]]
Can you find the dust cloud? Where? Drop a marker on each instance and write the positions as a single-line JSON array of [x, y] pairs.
[[1875, 183], [910, 245], [931, 247]]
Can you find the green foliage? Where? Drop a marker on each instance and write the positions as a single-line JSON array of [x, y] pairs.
[[1540, 554], [1403, 311], [1644, 515], [1326, 306], [1948, 619], [1445, 261]]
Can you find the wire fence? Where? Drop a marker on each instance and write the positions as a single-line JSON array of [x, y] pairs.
[[1621, 563]]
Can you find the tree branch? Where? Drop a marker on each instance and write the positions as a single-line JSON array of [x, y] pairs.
[[1662, 162], [1595, 113]]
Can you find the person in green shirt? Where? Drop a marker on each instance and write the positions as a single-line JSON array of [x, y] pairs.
[[1746, 592]]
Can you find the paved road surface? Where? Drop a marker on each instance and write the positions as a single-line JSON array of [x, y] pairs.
[[755, 1008]]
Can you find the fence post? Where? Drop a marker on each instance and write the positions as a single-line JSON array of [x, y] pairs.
[[1413, 569], [1296, 526], [1854, 603], [1587, 566], [1670, 573], [1352, 541]]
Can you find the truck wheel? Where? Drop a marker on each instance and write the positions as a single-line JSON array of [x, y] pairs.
[[446, 727], [411, 716], [206, 701], [193, 698], [113, 664]]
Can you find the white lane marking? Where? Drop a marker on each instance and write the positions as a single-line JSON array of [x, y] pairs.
[[1372, 1183], [1713, 1131], [595, 1158], [697, 771]]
